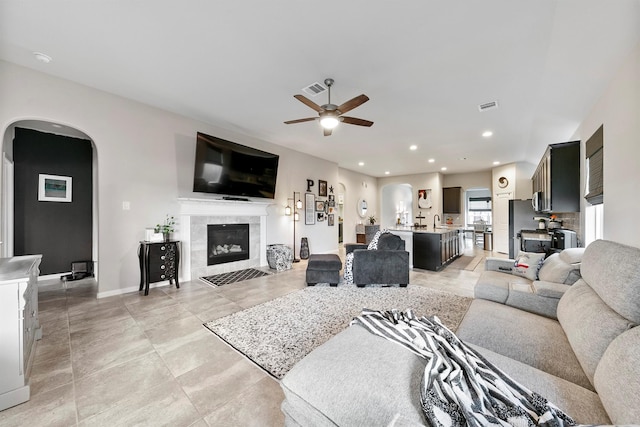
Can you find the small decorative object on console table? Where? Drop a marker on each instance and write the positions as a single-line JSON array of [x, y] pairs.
[[158, 262], [166, 228], [20, 327]]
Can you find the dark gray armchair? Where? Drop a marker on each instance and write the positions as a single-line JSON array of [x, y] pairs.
[[387, 265]]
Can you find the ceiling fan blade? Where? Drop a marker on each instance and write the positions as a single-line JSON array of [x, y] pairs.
[[353, 103], [355, 121], [308, 119], [309, 103], [327, 132]]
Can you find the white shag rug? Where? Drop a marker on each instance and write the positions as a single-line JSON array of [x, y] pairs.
[[277, 334]]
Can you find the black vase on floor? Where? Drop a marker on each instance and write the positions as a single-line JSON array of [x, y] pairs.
[[304, 248]]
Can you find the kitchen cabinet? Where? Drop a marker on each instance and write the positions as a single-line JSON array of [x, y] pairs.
[[451, 200], [434, 250], [556, 181]]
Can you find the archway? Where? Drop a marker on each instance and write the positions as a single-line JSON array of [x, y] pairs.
[[27, 213]]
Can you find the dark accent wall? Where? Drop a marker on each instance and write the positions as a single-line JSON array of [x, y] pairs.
[[60, 231]]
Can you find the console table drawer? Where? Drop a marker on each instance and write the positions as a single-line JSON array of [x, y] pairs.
[[158, 262]]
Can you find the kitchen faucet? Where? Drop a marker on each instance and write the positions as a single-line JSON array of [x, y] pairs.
[[434, 220]]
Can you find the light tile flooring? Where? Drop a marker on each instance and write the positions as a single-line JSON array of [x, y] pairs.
[[147, 360]]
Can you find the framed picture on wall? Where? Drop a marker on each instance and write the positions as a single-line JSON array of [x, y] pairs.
[[424, 199], [309, 208], [322, 188], [331, 220], [319, 205], [54, 188]]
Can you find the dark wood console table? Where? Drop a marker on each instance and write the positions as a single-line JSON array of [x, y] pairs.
[[158, 261]]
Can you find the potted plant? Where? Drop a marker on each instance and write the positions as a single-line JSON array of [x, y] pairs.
[[372, 220], [166, 228]]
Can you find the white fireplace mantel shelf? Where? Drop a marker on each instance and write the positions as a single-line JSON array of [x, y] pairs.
[[195, 206]]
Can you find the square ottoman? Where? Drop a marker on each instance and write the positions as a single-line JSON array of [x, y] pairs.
[[323, 268]]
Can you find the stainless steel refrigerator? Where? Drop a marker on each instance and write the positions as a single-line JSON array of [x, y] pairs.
[[521, 215]]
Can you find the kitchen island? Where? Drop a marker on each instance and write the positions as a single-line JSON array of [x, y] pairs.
[[431, 248]]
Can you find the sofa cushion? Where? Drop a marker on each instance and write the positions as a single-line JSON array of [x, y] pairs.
[[529, 338], [581, 404], [590, 324], [618, 371], [549, 289], [561, 267], [355, 378], [613, 271], [527, 265], [495, 286]]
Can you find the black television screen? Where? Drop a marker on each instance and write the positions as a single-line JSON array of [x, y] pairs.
[[227, 168]]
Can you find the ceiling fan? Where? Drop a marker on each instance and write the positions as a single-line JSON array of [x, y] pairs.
[[330, 115]]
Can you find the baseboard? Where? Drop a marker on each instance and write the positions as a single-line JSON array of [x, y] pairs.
[[129, 290]]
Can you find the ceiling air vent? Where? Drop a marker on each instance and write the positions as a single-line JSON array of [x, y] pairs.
[[314, 89], [488, 106]]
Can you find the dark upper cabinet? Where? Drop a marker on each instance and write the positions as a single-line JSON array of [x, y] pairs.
[[556, 181], [451, 200]]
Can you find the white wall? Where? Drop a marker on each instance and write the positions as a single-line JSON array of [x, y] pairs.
[[397, 199], [357, 186], [145, 156], [619, 110]]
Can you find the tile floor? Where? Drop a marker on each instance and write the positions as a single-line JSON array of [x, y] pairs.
[[147, 360]]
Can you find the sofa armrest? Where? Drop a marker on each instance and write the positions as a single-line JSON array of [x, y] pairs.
[[549, 289], [350, 247], [499, 264]]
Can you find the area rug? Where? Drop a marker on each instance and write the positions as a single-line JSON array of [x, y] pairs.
[[234, 276], [277, 334], [466, 263]]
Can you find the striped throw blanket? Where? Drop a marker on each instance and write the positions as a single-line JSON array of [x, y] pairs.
[[459, 387]]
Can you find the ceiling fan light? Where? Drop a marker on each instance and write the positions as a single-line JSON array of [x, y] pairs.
[[329, 122]]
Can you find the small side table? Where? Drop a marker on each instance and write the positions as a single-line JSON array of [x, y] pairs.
[[158, 261]]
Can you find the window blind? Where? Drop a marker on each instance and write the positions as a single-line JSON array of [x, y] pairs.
[[594, 153]]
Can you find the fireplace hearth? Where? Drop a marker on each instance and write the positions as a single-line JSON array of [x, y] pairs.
[[227, 243]]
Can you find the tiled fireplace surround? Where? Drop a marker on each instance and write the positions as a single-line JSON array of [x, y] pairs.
[[196, 214]]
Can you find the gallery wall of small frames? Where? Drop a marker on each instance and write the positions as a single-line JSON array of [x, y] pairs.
[[320, 208]]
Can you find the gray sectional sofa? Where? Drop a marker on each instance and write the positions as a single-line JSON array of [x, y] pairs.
[[499, 282], [586, 361]]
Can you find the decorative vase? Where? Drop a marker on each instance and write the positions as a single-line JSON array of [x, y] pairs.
[[166, 236], [304, 248]]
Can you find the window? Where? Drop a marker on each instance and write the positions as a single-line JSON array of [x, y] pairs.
[[594, 187], [593, 223], [479, 209]]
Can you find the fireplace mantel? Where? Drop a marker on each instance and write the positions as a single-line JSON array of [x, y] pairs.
[[194, 207], [195, 213]]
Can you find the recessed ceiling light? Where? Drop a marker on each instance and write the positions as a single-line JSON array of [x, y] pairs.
[[42, 57], [413, 147], [487, 133], [387, 172], [496, 162], [444, 168], [360, 163], [432, 160]]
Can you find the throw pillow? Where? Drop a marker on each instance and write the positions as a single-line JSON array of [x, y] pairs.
[[373, 245], [348, 269], [527, 265]]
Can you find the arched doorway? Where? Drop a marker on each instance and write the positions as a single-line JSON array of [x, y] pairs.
[[49, 194]]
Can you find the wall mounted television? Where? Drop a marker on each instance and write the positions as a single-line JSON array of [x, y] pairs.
[[233, 170]]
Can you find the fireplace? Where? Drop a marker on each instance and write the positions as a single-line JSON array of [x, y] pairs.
[[227, 243]]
